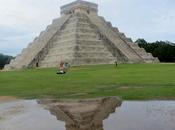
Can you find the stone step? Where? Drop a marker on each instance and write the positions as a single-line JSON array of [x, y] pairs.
[[83, 20], [96, 48], [54, 63], [141, 51], [147, 57], [89, 42], [79, 30], [92, 41], [122, 35], [134, 46], [128, 39], [78, 47], [55, 59], [79, 59], [116, 29], [91, 61], [78, 24], [94, 54], [75, 18], [77, 35], [62, 45], [102, 52]]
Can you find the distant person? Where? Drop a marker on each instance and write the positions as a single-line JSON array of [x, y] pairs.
[[116, 64], [61, 68], [66, 66]]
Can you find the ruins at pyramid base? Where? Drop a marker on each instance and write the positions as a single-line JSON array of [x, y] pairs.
[[80, 37]]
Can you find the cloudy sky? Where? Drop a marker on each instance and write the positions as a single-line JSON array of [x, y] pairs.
[[22, 20]]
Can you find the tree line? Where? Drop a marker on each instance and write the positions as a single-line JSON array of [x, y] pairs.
[[164, 50], [4, 59]]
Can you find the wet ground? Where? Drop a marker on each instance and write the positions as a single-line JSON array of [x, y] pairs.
[[146, 115], [132, 115], [27, 115]]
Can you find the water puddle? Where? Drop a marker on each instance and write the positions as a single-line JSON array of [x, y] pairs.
[[98, 114], [146, 115], [27, 115]]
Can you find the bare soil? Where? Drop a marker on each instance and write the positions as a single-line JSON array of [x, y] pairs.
[[7, 98]]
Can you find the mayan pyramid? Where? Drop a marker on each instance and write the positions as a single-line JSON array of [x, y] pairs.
[[80, 37]]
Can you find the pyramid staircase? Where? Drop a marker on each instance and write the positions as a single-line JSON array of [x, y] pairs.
[[77, 44]]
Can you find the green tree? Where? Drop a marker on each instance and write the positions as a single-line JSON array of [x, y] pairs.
[[4, 59], [164, 50]]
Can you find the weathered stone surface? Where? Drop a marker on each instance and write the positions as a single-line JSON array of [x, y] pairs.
[[80, 37], [83, 114]]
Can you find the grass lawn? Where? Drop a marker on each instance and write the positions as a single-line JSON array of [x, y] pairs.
[[129, 81]]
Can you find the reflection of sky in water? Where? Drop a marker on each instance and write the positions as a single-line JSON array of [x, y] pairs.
[[148, 115], [29, 116]]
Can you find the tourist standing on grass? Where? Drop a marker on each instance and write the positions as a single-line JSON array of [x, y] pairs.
[[116, 64], [66, 66]]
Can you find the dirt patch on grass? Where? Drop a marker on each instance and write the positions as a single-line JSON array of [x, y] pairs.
[[126, 88], [7, 98]]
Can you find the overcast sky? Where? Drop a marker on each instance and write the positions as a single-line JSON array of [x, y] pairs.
[[22, 20]]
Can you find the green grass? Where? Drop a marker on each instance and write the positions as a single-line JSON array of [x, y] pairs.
[[129, 81]]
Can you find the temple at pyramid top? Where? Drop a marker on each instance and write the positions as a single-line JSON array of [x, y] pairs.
[[79, 6], [80, 37]]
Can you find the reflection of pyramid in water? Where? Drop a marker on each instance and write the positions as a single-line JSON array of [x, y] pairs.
[[80, 37], [84, 114]]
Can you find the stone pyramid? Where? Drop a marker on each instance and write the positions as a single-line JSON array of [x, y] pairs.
[[80, 37]]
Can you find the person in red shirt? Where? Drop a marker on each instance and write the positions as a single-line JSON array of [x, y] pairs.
[[61, 68]]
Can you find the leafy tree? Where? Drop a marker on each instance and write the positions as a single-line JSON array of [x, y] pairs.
[[4, 59], [164, 50]]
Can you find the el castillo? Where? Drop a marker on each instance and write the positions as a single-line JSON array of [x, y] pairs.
[[80, 37]]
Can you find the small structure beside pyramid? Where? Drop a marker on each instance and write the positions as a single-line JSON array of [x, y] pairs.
[[80, 37]]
